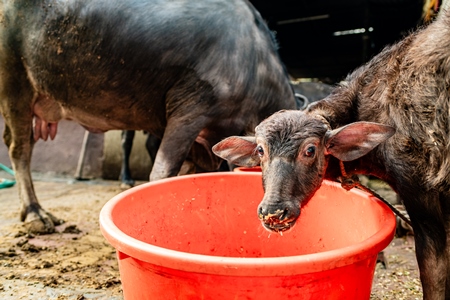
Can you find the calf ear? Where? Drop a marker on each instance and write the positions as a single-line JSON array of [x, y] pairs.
[[356, 139], [238, 150]]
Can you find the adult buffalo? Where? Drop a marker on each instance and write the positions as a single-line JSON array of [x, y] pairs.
[[188, 72]]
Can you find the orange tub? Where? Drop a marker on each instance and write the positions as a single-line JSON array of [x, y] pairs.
[[198, 237], [247, 169]]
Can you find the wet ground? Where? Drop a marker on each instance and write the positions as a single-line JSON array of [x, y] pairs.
[[78, 263]]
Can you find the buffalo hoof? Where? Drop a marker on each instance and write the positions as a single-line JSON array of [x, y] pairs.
[[381, 258], [41, 222], [126, 182], [126, 185]]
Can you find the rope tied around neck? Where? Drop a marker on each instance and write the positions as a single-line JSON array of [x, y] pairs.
[[349, 182]]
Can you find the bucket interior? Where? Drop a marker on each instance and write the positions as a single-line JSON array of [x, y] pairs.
[[216, 215]]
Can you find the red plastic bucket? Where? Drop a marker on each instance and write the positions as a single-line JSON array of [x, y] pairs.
[[247, 169], [198, 237]]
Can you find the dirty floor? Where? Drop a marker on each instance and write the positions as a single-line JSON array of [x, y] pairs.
[[78, 263]]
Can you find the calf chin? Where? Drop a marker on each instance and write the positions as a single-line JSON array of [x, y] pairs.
[[277, 227]]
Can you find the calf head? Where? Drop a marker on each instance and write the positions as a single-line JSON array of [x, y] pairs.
[[293, 150]]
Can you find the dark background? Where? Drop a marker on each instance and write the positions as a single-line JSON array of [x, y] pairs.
[[305, 32]]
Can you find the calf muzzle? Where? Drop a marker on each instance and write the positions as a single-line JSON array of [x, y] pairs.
[[278, 218]]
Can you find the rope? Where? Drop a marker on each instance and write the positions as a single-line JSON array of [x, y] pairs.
[[7, 170], [350, 182], [5, 183]]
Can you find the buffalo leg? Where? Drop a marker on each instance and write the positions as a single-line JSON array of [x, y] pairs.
[[127, 145], [152, 145], [431, 243], [175, 147], [445, 200], [15, 97], [36, 219]]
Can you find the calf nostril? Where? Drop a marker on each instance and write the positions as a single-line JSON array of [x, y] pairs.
[[262, 212], [284, 215]]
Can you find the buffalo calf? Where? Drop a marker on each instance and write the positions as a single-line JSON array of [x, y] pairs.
[[390, 119]]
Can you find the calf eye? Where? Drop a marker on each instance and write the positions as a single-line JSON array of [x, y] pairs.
[[260, 151], [310, 151]]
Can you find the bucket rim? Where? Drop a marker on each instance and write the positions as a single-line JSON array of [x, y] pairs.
[[238, 266]]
